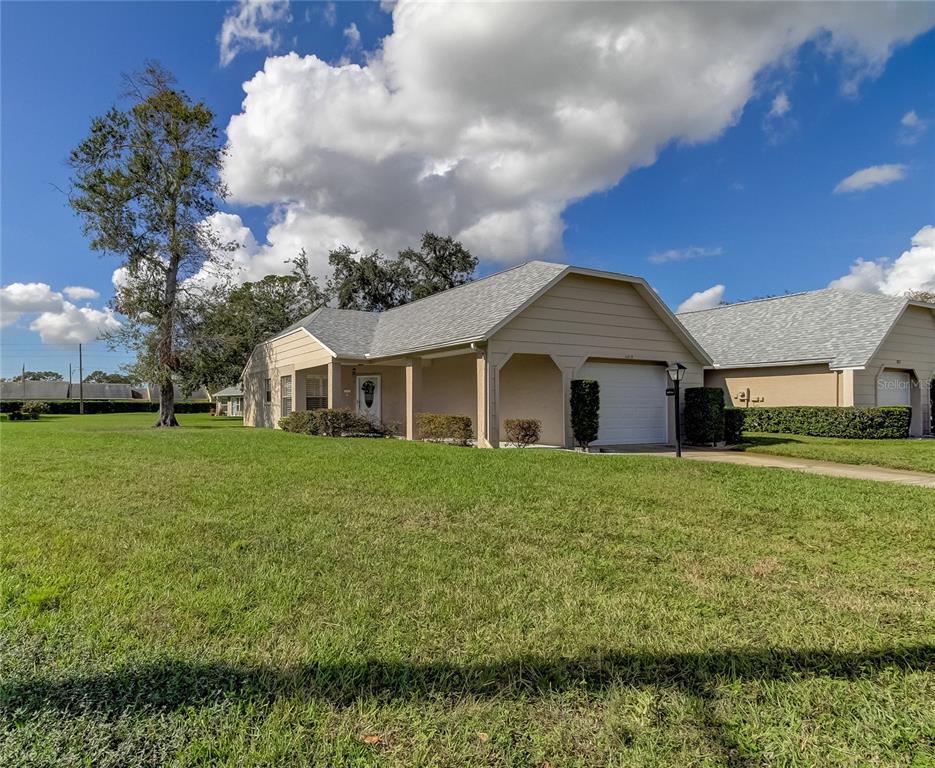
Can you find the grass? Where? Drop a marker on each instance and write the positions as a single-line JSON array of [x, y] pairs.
[[223, 596], [918, 455]]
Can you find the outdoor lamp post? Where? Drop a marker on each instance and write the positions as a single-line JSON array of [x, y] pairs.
[[676, 372]]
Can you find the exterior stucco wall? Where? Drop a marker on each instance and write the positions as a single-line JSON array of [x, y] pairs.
[[449, 385], [273, 360], [531, 388], [584, 317], [770, 387], [909, 346]]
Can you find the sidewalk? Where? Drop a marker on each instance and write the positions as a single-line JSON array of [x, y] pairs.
[[815, 467]]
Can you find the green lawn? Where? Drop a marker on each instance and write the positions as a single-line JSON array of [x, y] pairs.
[[223, 596], [898, 454]]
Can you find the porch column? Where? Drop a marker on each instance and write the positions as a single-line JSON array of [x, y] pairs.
[[567, 375], [413, 395], [487, 425], [335, 391]]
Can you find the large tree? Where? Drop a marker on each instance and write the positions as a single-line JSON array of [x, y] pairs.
[[145, 181], [927, 296], [373, 282], [237, 318]]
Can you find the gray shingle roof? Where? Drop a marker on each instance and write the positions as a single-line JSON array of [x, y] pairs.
[[234, 391], [842, 328], [466, 313]]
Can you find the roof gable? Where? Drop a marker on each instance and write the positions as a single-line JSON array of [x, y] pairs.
[[841, 328], [468, 313]]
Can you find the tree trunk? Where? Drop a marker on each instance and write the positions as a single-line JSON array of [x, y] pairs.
[[166, 404]]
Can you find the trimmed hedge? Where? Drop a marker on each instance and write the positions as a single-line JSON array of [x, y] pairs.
[[334, 422], [825, 421], [733, 425], [444, 426], [704, 415], [585, 410], [522, 432], [107, 406]]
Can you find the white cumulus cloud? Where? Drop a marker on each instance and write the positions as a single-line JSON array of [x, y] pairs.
[[58, 321], [74, 325], [79, 292], [18, 299], [485, 120], [874, 176], [706, 299], [252, 25], [914, 270]]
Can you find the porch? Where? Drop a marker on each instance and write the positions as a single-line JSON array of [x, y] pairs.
[[491, 387]]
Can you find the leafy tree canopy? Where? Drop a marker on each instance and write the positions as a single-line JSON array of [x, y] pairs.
[[38, 376], [145, 183], [373, 282], [102, 377]]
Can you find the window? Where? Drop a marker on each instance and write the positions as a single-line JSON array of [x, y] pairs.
[[285, 389], [269, 390], [316, 392]]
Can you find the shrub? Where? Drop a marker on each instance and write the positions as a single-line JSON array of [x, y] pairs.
[[301, 422], [826, 421], [444, 426], [34, 408], [334, 422], [585, 410], [522, 432], [704, 415], [733, 425]]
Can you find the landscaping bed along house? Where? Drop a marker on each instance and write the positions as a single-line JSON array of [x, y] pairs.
[[219, 596]]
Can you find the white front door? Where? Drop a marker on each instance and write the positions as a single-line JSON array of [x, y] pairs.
[[368, 397], [894, 388], [633, 405]]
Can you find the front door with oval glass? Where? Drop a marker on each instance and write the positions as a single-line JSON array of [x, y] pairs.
[[368, 397]]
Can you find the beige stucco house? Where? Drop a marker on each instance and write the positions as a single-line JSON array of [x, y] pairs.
[[229, 401], [828, 347], [506, 346]]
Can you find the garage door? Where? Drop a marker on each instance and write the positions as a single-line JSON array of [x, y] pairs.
[[633, 402], [893, 388]]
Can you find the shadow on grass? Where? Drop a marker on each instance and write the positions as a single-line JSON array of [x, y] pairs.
[[172, 684]]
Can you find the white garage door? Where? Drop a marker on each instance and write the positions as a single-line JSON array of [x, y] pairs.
[[893, 388], [633, 402]]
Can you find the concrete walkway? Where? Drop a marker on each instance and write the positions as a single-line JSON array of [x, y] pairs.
[[815, 467], [812, 466]]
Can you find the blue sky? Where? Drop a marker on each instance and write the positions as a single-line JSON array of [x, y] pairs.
[[752, 208]]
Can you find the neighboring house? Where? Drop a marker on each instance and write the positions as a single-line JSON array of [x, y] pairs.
[[200, 395], [229, 401], [501, 347], [825, 347], [62, 390]]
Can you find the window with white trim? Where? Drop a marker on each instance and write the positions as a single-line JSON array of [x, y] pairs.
[[268, 387], [316, 392], [285, 394]]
